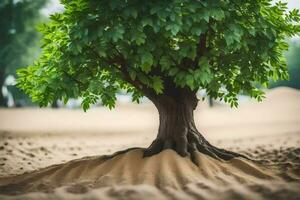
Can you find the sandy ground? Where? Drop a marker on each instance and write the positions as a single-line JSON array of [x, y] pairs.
[[49, 146]]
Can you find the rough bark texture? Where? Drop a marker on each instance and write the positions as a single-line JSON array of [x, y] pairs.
[[177, 129]]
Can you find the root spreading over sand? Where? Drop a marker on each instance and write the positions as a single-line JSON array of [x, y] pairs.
[[166, 171]]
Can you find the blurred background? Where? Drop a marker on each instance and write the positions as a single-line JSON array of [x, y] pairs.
[[20, 46]]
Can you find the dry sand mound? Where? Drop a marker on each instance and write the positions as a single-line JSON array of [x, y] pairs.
[[166, 171]]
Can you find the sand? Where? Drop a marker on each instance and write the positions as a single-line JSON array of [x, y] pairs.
[[58, 154]]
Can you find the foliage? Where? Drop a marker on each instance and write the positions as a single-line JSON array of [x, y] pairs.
[[19, 38], [95, 48], [293, 64]]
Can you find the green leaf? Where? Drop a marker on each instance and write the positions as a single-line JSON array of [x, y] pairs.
[[229, 38], [203, 62], [174, 28], [132, 74], [144, 79], [157, 84], [147, 21], [139, 38], [134, 13], [204, 75], [196, 30], [218, 14], [117, 33], [190, 81], [165, 63], [173, 71], [146, 61], [205, 15]]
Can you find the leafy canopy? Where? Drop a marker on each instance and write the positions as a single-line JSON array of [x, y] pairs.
[[95, 48]]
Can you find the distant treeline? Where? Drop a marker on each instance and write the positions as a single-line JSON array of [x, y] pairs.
[[293, 63]]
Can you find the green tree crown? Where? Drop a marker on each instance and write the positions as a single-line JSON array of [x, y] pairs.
[[95, 48]]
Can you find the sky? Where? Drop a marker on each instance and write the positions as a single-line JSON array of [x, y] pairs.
[[294, 4], [53, 6]]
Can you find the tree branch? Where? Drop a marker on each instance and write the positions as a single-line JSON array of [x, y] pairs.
[[121, 62], [74, 79], [187, 63], [201, 48]]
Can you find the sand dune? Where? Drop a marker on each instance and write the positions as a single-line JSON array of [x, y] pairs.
[[50, 147], [166, 171]]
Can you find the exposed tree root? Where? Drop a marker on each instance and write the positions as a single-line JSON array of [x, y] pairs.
[[189, 143], [107, 157]]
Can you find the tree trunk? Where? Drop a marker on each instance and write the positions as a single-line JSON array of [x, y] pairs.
[[54, 104], [177, 129], [3, 102], [210, 102]]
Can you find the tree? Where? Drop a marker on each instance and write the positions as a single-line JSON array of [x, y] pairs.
[[165, 50], [19, 37], [293, 64]]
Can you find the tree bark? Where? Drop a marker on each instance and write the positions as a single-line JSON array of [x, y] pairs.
[[177, 129], [3, 102]]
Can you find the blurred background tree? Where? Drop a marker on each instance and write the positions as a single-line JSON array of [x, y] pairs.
[[293, 63], [19, 39]]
